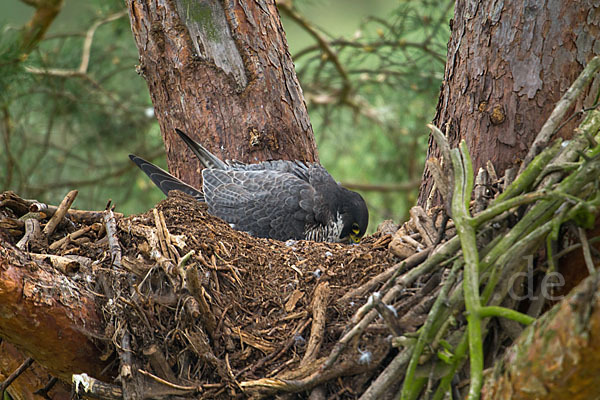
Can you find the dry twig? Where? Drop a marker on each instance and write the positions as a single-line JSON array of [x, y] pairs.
[[61, 211]]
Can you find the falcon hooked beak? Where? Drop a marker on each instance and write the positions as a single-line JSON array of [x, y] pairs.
[[354, 237]]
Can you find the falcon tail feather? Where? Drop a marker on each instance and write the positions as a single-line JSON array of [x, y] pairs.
[[164, 180], [208, 159]]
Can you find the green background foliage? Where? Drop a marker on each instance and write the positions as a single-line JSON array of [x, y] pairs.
[[369, 103]]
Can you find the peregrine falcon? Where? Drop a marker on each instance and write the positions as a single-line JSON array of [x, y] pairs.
[[273, 199]]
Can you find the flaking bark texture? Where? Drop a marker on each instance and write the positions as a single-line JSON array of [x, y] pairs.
[[221, 72], [44, 315], [556, 358], [508, 64]]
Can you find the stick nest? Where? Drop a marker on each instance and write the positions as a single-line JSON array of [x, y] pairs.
[[200, 308]]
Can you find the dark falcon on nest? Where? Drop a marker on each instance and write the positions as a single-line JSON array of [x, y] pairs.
[[273, 199]]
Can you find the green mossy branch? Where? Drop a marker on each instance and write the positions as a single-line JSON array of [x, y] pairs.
[[410, 390], [558, 185], [463, 188]]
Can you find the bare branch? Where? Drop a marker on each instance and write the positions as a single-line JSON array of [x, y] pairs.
[[45, 13], [81, 71]]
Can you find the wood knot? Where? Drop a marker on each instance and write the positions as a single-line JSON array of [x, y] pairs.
[[497, 115], [255, 137], [262, 139]]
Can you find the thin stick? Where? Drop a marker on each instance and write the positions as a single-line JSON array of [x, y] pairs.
[[194, 389], [207, 317], [390, 317], [409, 388], [26, 364], [527, 177], [441, 141], [60, 213], [391, 374], [32, 232], [496, 311], [408, 263], [111, 232], [317, 329], [463, 186], [587, 255], [74, 235]]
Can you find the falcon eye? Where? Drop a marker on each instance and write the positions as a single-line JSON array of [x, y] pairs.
[[355, 228]]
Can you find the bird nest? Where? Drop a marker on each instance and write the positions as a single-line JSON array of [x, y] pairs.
[[193, 307], [240, 308]]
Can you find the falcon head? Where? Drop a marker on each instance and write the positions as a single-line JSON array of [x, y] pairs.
[[355, 216]]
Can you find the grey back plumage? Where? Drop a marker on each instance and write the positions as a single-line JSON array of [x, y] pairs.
[[272, 199], [268, 202]]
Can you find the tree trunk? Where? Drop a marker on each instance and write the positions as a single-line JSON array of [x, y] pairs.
[[221, 72], [558, 357], [508, 63], [46, 316]]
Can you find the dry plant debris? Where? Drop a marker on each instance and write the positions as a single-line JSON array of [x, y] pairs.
[[193, 308], [204, 308]]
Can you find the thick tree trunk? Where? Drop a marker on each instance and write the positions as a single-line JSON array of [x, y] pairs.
[[221, 71], [508, 64]]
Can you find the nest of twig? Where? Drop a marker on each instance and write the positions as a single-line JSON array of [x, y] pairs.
[[204, 309]]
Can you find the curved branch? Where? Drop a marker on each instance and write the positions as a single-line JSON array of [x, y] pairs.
[[81, 71], [322, 43]]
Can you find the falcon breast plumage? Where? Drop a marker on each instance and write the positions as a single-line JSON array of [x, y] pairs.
[[273, 199]]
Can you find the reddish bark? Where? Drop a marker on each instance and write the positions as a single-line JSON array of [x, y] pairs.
[[221, 72], [45, 317], [32, 379], [508, 63]]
